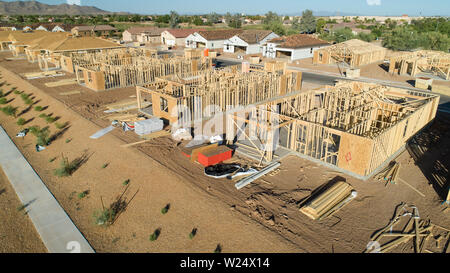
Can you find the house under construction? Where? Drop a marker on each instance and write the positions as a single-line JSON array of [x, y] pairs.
[[135, 70], [354, 53], [196, 91], [355, 127], [424, 61]]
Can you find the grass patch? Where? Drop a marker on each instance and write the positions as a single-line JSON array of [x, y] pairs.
[[193, 234], [50, 119], [155, 235], [42, 135], [28, 101], [105, 217], [3, 101], [38, 108], [60, 126], [9, 111], [43, 116], [21, 122], [17, 92], [68, 140], [82, 195], [165, 210], [68, 168]]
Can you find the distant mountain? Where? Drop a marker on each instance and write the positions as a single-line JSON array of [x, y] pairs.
[[37, 8]]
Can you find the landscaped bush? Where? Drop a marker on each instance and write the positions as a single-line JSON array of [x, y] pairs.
[[105, 217], [21, 122], [50, 119], [9, 111], [42, 135], [38, 108], [67, 168], [3, 101]]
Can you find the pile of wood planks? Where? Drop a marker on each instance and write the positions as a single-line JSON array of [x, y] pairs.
[[62, 83], [46, 74], [389, 174], [122, 106], [423, 233], [328, 201]]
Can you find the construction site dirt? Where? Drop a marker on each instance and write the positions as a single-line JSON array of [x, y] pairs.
[[266, 213]]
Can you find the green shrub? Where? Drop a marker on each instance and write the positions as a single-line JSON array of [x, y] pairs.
[[165, 210], [28, 101], [43, 116], [17, 92], [104, 217], [50, 119], [42, 135], [3, 101], [9, 110], [60, 126], [82, 195], [67, 168], [21, 122], [155, 235], [38, 108], [104, 166], [126, 182], [193, 233]]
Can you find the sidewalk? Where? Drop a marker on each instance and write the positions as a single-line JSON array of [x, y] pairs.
[[57, 231]]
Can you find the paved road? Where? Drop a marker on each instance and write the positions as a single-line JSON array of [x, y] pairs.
[[324, 79]]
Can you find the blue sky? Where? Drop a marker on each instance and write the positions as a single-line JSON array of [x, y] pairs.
[[363, 7]]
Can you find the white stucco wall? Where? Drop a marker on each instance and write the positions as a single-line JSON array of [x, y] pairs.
[[251, 49], [270, 51], [193, 39]]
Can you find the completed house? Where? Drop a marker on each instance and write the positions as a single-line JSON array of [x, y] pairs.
[[294, 47], [176, 37], [210, 39], [131, 34], [99, 31], [249, 41]]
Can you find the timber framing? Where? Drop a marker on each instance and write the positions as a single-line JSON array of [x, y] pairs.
[[354, 53], [192, 94], [354, 126], [135, 70], [424, 61]]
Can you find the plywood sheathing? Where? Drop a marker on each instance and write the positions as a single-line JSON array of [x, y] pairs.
[[354, 126]]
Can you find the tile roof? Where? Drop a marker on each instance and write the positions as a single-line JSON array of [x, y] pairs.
[[139, 30], [298, 41], [80, 43], [223, 34], [182, 33], [95, 28], [254, 36]]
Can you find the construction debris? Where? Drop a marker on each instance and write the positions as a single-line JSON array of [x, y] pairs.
[[40, 75], [246, 181], [424, 233], [70, 93], [149, 126], [389, 174], [328, 200], [102, 132]]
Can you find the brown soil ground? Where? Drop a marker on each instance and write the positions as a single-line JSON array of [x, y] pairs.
[[17, 233], [263, 217]]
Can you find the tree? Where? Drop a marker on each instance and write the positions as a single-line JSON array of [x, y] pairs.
[[308, 22], [174, 19], [234, 21], [271, 17], [213, 18], [321, 23], [197, 21], [401, 38], [276, 27]]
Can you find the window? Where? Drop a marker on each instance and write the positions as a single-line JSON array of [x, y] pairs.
[[320, 57], [164, 105], [311, 51]]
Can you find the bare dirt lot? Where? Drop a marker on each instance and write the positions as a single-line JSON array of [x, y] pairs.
[[17, 233], [263, 217]]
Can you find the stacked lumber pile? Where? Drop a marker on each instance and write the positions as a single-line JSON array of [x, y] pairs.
[[124, 105], [328, 201], [46, 74], [389, 174], [425, 235], [62, 83]]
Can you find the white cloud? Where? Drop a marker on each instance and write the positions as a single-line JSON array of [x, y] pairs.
[[374, 2], [74, 2]]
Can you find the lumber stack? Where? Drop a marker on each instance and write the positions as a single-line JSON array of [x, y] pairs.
[[390, 173], [329, 201], [62, 83]]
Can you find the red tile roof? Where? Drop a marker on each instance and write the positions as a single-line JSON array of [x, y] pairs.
[[182, 33], [298, 41]]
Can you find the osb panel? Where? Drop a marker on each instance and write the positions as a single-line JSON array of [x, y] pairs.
[[97, 82], [156, 106], [355, 153]]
